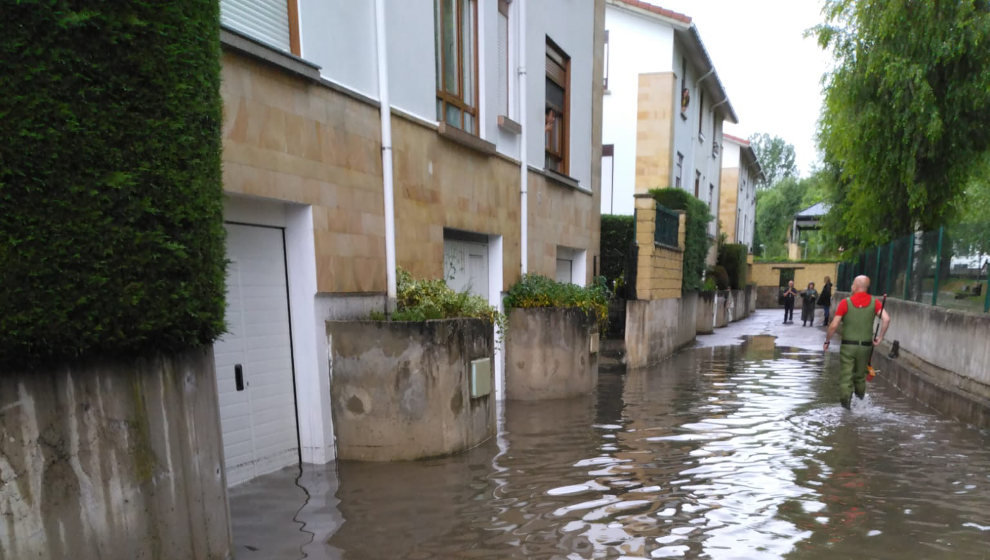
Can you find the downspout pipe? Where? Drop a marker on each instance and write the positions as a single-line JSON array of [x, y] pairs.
[[385, 110], [523, 167]]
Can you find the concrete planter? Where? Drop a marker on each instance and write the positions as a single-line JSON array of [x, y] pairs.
[[722, 302], [705, 317], [113, 460], [737, 305], [751, 294], [403, 390], [551, 353]]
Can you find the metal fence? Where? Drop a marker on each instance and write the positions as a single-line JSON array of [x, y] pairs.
[[666, 227], [947, 267]]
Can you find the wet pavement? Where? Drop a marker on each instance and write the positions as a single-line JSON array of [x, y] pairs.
[[735, 448]]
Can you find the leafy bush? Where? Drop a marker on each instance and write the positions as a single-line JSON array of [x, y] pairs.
[[534, 290], [111, 212], [617, 238], [732, 256], [696, 240], [424, 300], [721, 277]]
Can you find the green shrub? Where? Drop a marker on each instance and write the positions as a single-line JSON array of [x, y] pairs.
[[534, 290], [721, 277], [696, 240], [732, 256], [617, 239], [111, 212], [424, 300]]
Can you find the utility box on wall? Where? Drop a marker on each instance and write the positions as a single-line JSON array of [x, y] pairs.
[[481, 377]]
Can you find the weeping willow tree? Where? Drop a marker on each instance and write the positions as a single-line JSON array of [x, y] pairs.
[[904, 113]]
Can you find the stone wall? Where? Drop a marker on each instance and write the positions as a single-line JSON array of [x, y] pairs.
[[548, 354], [117, 459], [655, 329], [767, 297], [659, 269], [768, 273], [655, 130], [705, 316], [401, 390]]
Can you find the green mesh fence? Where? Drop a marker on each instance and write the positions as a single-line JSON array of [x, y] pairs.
[[947, 267]]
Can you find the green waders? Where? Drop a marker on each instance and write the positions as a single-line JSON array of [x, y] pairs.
[[857, 347]]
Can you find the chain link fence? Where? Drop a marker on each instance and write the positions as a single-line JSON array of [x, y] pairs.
[[947, 267]]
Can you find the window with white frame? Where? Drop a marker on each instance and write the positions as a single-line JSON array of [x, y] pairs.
[[680, 170], [456, 24], [502, 50]]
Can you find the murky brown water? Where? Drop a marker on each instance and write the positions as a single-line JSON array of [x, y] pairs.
[[730, 452]]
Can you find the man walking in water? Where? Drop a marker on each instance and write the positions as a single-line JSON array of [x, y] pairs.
[[856, 314]]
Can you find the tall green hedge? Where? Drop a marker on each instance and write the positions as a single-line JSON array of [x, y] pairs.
[[111, 234], [696, 240], [617, 238], [732, 256]]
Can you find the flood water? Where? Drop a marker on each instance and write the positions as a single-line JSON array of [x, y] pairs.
[[725, 452]]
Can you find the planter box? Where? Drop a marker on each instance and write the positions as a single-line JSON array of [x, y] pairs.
[[722, 302], [114, 459], [705, 320], [655, 329], [409, 390], [550, 353]]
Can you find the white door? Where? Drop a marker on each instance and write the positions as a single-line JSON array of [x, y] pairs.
[[465, 266], [254, 359]]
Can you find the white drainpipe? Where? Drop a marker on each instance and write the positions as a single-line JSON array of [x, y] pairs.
[[387, 179], [523, 167]]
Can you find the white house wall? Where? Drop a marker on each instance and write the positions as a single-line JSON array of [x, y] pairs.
[[339, 36], [630, 37], [573, 34]]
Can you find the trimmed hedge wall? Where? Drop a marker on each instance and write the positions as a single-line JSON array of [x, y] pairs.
[[111, 228], [732, 256], [696, 240], [617, 238]]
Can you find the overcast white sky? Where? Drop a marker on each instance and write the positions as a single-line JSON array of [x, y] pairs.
[[770, 71]]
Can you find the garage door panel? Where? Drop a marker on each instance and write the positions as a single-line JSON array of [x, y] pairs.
[[259, 422]]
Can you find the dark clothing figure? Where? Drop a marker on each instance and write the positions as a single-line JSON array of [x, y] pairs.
[[808, 299], [825, 301], [788, 297]]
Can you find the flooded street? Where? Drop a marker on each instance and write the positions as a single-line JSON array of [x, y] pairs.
[[732, 449]]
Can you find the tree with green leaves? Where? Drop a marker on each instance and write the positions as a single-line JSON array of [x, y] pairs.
[[776, 207], [776, 158], [904, 114]]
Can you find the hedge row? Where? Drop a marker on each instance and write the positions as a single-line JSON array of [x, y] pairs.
[[617, 239], [732, 256], [696, 240], [111, 233]]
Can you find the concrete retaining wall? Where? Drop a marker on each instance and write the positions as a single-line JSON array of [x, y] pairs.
[[721, 308], [655, 329], [113, 460], [548, 354], [751, 297], [705, 315], [401, 390], [737, 306]]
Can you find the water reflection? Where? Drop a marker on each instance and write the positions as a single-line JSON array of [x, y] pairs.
[[730, 452]]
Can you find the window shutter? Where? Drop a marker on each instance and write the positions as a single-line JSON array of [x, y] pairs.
[[503, 64], [264, 20]]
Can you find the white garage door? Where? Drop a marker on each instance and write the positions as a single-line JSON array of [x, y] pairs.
[[254, 359], [465, 265]]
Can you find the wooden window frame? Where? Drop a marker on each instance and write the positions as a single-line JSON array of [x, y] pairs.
[[457, 100], [554, 51], [294, 46]]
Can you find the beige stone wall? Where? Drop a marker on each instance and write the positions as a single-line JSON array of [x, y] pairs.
[[655, 130], [768, 273], [659, 270], [289, 139], [560, 215], [728, 202], [440, 183]]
